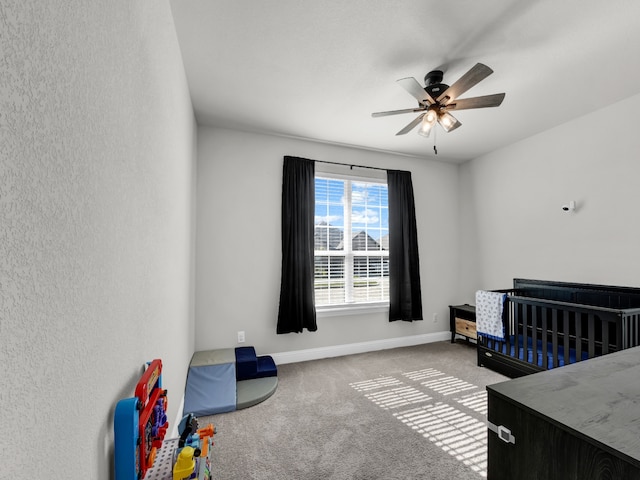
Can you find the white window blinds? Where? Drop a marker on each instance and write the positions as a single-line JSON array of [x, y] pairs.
[[351, 238]]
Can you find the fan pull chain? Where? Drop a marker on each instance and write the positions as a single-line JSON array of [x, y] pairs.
[[435, 150]]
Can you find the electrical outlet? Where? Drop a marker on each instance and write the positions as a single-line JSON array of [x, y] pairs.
[[240, 337], [435, 318]]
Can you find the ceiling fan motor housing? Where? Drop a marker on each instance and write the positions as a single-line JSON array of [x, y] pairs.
[[433, 83]]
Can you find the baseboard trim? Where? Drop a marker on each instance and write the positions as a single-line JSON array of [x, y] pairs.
[[361, 347]]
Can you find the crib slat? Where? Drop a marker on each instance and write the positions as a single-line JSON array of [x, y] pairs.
[[545, 358], [565, 335], [592, 341], [554, 336], [534, 335], [605, 337], [525, 339], [577, 318], [514, 313], [631, 329], [621, 337]]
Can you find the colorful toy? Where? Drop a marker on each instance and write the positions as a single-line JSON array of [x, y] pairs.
[[185, 464], [140, 424], [192, 458]]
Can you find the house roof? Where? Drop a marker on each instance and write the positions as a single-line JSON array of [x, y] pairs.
[[328, 237]]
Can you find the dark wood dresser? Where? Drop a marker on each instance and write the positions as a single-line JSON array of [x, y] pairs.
[[581, 422]]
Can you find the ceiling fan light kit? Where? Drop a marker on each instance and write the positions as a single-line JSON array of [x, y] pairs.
[[429, 119], [436, 99]]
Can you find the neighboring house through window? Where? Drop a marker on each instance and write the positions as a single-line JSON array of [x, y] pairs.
[[351, 237]]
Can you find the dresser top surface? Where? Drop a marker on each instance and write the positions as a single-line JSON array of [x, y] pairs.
[[598, 398]]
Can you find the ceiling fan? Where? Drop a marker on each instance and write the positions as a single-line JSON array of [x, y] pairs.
[[436, 99]]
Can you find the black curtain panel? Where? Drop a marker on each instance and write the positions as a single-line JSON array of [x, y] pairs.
[[297, 310], [405, 300]]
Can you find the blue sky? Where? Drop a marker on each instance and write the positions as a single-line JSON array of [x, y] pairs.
[[369, 211]]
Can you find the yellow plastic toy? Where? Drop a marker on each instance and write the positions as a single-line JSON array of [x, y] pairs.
[[185, 464]]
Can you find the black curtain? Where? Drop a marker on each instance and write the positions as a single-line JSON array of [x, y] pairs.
[[297, 310], [405, 300]]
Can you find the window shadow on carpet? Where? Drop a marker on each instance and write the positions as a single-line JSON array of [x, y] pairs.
[[445, 410]]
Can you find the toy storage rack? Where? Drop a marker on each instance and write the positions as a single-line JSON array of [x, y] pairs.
[[163, 464]]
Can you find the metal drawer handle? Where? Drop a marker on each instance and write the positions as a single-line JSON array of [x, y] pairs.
[[503, 432]]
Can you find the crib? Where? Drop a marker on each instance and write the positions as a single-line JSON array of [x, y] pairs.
[[549, 324]]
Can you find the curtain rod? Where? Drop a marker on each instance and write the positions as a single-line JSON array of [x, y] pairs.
[[351, 165]]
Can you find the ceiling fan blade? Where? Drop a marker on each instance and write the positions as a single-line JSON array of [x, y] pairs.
[[476, 102], [412, 86], [475, 75], [448, 122], [396, 112], [412, 125]]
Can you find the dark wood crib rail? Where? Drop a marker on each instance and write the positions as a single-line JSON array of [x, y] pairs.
[[563, 330], [594, 330], [606, 296]]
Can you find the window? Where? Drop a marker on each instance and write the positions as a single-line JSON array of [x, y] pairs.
[[351, 238]]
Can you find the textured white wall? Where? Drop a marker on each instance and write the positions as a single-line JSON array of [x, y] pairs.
[[239, 207], [511, 206], [96, 203]]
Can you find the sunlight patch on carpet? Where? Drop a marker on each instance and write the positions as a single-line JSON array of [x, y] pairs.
[[423, 374], [448, 427], [448, 385], [375, 383], [398, 397], [455, 432], [476, 401]]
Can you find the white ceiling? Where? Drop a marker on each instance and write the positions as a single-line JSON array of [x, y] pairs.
[[317, 69]]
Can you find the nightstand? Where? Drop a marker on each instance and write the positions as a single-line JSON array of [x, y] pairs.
[[462, 321]]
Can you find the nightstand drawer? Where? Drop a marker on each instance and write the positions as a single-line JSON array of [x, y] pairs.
[[466, 328]]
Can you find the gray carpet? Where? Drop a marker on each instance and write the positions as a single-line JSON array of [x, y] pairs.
[[406, 413]]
